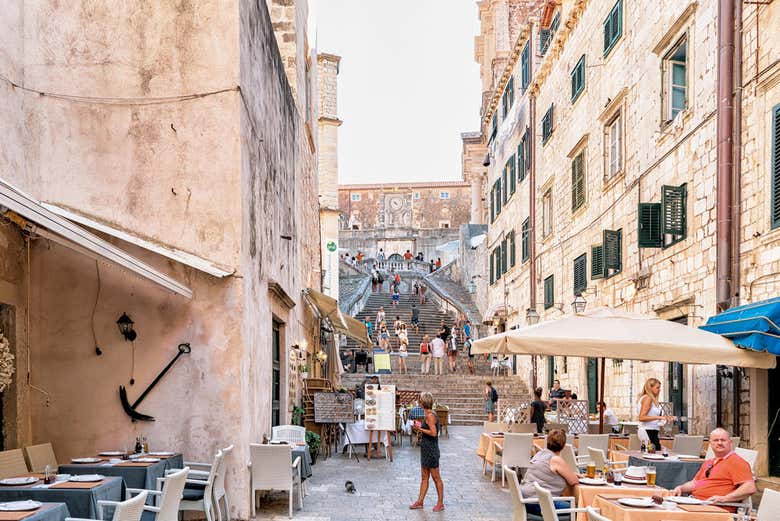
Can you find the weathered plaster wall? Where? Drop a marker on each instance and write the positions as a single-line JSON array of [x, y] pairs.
[[11, 99], [166, 171]]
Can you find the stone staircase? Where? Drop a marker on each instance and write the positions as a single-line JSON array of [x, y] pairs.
[[461, 393]]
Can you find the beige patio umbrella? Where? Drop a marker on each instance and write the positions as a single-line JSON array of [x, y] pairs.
[[609, 333]]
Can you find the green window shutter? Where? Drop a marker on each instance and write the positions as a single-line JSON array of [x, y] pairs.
[[613, 26], [649, 223], [549, 292], [578, 79], [511, 90], [776, 166], [544, 40], [493, 204], [512, 256], [547, 124], [613, 248], [492, 270], [511, 175], [673, 203], [526, 243], [580, 274], [578, 181], [597, 262], [525, 67], [521, 160], [504, 259], [504, 185]]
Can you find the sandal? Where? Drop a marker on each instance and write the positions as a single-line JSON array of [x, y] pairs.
[[417, 505], [439, 507]]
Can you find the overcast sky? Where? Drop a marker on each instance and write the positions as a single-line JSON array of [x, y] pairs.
[[408, 85]]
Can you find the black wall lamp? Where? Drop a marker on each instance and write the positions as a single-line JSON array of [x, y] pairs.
[[125, 325]]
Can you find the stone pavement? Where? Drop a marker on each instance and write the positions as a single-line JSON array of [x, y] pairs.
[[385, 490]]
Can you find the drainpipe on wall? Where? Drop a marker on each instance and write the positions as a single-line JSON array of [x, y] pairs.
[[736, 193], [532, 196], [725, 165]]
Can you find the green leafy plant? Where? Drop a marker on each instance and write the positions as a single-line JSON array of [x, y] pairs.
[[314, 441], [303, 368], [297, 415]]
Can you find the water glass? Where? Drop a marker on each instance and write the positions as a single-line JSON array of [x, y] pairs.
[[743, 513], [618, 478]]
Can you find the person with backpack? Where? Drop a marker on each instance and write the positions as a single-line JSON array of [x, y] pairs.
[[491, 398], [425, 355]]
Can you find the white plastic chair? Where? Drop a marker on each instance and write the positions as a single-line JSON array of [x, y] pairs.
[[167, 499], [734, 445], [633, 443], [596, 441], [12, 463], [130, 510], [41, 455], [515, 453], [685, 444], [270, 469], [523, 428], [292, 433], [198, 494], [598, 457], [547, 505], [594, 515], [769, 506], [489, 427], [519, 513], [567, 453]]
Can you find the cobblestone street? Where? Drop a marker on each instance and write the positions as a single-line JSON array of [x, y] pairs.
[[385, 490]]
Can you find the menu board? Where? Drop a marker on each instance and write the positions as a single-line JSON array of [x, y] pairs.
[[380, 407], [333, 408]]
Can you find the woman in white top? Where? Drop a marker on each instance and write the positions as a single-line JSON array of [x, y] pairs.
[[650, 413]]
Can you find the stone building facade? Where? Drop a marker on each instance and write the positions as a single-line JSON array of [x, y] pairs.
[[601, 131], [175, 137]]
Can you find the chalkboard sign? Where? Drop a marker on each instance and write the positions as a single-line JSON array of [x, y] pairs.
[[333, 408]]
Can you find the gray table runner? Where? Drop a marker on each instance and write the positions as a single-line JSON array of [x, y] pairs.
[[135, 477], [669, 474], [80, 502]]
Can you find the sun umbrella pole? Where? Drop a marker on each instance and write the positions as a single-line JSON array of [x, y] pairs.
[[601, 397]]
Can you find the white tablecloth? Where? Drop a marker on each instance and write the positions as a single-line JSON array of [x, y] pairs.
[[358, 435]]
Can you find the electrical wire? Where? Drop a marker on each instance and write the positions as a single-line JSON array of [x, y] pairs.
[[94, 307], [153, 100]]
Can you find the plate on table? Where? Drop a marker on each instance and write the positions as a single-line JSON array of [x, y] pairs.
[[86, 460], [634, 481], [639, 502], [684, 500], [27, 480], [147, 460], [688, 456], [497, 434], [20, 506], [593, 481], [86, 478], [654, 456], [111, 453], [162, 453], [279, 442]]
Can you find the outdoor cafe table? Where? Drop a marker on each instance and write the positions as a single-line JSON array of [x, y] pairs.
[[303, 452], [487, 449], [136, 475], [669, 472], [46, 512], [81, 501], [586, 494], [611, 509]]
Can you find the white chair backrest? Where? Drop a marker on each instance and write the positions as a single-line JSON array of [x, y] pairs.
[[593, 515], [567, 453], [734, 445], [633, 442], [546, 503], [523, 428], [12, 463], [517, 449], [41, 455], [172, 492], [598, 457], [685, 444], [494, 427], [769, 506], [519, 513], [131, 509], [597, 441], [293, 433], [219, 478], [748, 455], [271, 466]]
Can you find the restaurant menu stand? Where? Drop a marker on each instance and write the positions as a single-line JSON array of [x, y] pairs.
[[380, 414]]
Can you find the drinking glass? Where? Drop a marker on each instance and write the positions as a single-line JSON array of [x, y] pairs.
[[591, 470], [651, 476], [618, 478], [743, 513]]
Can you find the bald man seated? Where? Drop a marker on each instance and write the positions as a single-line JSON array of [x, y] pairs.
[[726, 478]]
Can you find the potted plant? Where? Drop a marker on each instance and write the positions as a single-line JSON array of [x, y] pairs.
[[297, 415], [314, 441], [304, 370]]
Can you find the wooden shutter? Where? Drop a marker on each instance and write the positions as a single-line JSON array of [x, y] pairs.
[[510, 88], [504, 260], [521, 160], [525, 66], [492, 272], [607, 32], [578, 181], [613, 248], [512, 255], [544, 40], [493, 203], [498, 196], [649, 225], [504, 184], [673, 200], [776, 166], [511, 175], [549, 292], [580, 274], [526, 236], [597, 262]]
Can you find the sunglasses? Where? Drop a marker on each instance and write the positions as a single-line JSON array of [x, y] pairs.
[[709, 469]]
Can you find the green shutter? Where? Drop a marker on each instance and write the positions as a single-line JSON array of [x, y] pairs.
[[649, 225], [504, 260], [613, 26], [673, 202], [492, 272], [549, 292], [521, 160], [504, 185], [578, 79], [512, 178], [525, 66], [613, 247], [580, 274], [526, 235], [512, 255], [776, 166], [493, 204], [547, 125], [544, 40], [578, 181], [597, 262]]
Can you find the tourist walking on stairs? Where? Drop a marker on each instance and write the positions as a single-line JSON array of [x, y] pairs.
[[403, 353], [429, 454], [491, 398], [438, 354], [396, 297], [416, 318], [380, 316], [425, 355], [452, 352]]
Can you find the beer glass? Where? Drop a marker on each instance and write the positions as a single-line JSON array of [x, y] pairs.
[[651, 476], [591, 470]]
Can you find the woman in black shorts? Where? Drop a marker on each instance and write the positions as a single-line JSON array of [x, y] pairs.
[[429, 454]]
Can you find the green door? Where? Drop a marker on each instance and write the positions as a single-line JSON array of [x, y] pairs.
[[676, 385], [774, 412], [593, 383], [550, 371]]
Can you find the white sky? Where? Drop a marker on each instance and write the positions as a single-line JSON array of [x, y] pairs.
[[408, 85]]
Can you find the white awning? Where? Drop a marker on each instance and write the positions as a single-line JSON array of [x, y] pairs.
[[35, 218]]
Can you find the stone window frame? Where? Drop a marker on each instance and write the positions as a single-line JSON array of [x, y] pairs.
[[444, 223], [667, 81], [355, 197], [615, 109]]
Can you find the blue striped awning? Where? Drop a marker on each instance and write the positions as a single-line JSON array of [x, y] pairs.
[[752, 326]]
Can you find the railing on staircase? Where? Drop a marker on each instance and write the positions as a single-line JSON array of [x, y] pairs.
[[395, 265]]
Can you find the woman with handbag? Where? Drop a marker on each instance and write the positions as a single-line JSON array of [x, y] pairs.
[[429, 454]]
